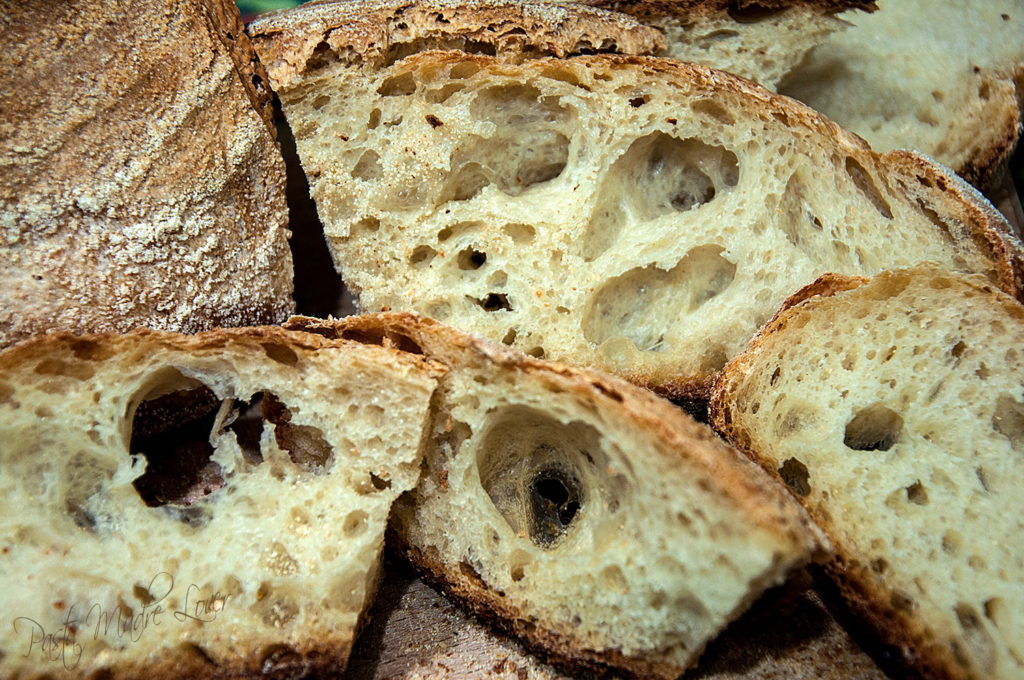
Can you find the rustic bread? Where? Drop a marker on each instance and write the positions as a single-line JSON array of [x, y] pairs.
[[586, 515], [945, 79], [894, 410], [762, 41], [156, 521], [140, 182], [635, 214]]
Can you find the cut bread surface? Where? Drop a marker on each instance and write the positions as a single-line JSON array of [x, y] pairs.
[[207, 506], [762, 41], [583, 514], [944, 79], [894, 409], [626, 213]]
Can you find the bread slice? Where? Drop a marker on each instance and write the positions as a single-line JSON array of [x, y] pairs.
[[197, 506], [894, 409], [581, 513], [945, 79], [762, 41], [634, 214], [140, 183]]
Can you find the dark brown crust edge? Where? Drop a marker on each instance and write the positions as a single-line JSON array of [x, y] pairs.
[[907, 639], [740, 10], [226, 23]]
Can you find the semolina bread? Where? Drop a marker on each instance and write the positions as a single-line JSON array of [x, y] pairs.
[[945, 79], [762, 41], [585, 515], [894, 409], [141, 184], [633, 214], [205, 506]]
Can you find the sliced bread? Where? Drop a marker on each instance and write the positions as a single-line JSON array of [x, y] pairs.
[[585, 515], [761, 40], [205, 506], [634, 214], [141, 184], [945, 79], [894, 409]]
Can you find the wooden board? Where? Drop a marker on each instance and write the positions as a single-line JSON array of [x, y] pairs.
[[415, 633]]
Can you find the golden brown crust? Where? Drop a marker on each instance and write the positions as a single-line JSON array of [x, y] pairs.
[[294, 42], [140, 187]]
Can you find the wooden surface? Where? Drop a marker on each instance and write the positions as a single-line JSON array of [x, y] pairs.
[[416, 633]]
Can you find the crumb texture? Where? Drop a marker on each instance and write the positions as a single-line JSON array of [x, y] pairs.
[[215, 502], [591, 518], [620, 212], [940, 79], [895, 411]]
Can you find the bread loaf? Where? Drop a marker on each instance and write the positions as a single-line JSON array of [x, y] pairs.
[[205, 506], [581, 513], [945, 79], [634, 214], [894, 409], [762, 41], [140, 182]]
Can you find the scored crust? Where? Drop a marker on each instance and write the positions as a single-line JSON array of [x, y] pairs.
[[141, 187]]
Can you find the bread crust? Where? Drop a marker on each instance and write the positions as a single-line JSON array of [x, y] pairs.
[[140, 186], [292, 43], [689, 10], [904, 635]]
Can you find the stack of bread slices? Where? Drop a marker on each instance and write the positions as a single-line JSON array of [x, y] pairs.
[[552, 217]]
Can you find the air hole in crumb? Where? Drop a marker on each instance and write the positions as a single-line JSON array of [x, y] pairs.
[[470, 259], [901, 601], [494, 302], [863, 180], [321, 101], [1008, 420], [367, 225], [305, 444], [280, 353], [422, 255], [875, 428], [637, 102], [917, 494], [171, 429], [434, 121], [536, 352], [958, 349], [796, 476], [374, 119], [398, 85], [510, 337], [519, 233], [354, 523], [76, 370], [714, 110], [368, 168]]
